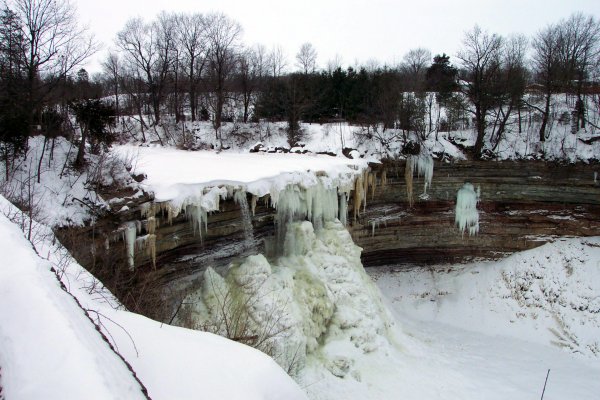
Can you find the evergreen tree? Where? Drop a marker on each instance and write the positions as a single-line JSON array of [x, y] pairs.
[[441, 77], [94, 117], [13, 113]]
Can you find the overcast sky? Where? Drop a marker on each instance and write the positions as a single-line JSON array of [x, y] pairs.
[[355, 30]]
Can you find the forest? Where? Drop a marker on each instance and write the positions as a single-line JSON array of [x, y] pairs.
[[189, 67]]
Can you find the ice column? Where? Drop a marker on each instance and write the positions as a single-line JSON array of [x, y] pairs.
[[242, 200], [466, 214]]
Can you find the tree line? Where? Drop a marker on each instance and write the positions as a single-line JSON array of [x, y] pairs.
[[194, 66]]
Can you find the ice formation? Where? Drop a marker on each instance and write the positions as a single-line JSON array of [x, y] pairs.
[[129, 234], [423, 164], [241, 198], [310, 306], [319, 203], [364, 184], [147, 245], [313, 196], [466, 214], [343, 209]]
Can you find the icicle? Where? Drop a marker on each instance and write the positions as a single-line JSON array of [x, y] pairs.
[[373, 226], [423, 163], [151, 225], [198, 216], [358, 195], [372, 183], [171, 211], [253, 201], [365, 189], [466, 214], [241, 199], [129, 235], [317, 203], [148, 210], [425, 169], [408, 177], [343, 208], [147, 245]]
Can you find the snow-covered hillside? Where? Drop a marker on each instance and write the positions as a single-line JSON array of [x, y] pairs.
[[501, 325]]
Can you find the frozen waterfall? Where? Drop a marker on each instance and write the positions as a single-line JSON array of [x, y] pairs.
[[466, 214]]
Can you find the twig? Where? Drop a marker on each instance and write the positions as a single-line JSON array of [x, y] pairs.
[[98, 314], [543, 391]]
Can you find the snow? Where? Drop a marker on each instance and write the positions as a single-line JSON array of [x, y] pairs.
[[64, 195], [176, 174], [50, 349], [489, 330], [501, 325]]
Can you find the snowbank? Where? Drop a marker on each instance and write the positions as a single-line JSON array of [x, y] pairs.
[[49, 349], [548, 295]]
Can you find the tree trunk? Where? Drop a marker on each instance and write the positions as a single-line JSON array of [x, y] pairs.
[[193, 100], [39, 171], [545, 118], [480, 126], [80, 159], [246, 107]]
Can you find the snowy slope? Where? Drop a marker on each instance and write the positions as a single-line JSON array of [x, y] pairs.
[[550, 295], [501, 325], [50, 349]]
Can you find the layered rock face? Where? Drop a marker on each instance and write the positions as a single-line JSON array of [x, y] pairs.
[[522, 205]]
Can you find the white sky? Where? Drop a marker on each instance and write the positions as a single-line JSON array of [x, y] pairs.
[[356, 30]]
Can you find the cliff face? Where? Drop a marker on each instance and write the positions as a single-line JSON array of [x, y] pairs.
[[522, 205]]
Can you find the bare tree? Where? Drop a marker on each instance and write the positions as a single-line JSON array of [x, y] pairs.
[[547, 67], [481, 59], [277, 61], [564, 55], [579, 51], [223, 35], [334, 63], [414, 66], [112, 69], [192, 40], [510, 86], [251, 72], [55, 45], [148, 49], [306, 58]]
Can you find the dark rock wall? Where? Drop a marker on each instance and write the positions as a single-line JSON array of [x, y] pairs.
[[522, 205]]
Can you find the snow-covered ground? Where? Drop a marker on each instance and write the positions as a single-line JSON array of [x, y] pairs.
[[501, 325], [173, 174]]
